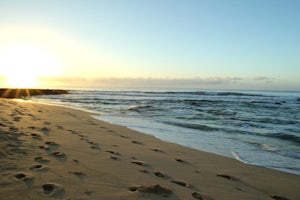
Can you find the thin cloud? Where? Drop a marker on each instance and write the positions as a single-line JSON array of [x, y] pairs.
[[142, 82], [167, 81], [263, 78], [217, 82]]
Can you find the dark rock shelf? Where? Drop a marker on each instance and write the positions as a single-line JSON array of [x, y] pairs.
[[26, 93]]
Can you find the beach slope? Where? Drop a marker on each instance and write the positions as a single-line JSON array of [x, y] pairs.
[[50, 152]]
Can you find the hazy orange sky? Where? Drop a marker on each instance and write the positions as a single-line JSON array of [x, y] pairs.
[[195, 44]]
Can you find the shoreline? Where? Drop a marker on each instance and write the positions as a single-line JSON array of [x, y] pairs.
[[58, 152], [130, 123], [94, 115]]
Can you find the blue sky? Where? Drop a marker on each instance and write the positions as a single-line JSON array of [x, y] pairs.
[[221, 44]]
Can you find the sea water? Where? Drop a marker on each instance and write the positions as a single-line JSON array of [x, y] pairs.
[[254, 127]]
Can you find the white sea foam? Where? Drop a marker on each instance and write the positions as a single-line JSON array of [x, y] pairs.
[[238, 157]]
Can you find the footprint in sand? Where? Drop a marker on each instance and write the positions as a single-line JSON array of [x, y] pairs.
[[160, 175], [112, 152], [199, 196], [41, 159], [53, 190], [229, 177], [38, 168], [4, 125], [73, 132], [111, 131], [45, 130], [181, 183], [17, 119], [115, 154], [277, 197], [181, 161], [144, 171], [137, 142], [78, 174], [50, 143], [94, 145], [31, 127], [59, 156], [89, 192], [158, 150], [51, 146], [60, 127], [91, 123], [36, 136], [154, 189], [27, 178], [123, 136], [44, 147], [9, 122], [139, 162], [91, 142], [76, 161], [114, 158], [13, 129]]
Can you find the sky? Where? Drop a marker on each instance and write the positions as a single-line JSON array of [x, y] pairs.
[[205, 44]]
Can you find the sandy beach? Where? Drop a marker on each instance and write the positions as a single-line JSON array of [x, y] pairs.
[[50, 152]]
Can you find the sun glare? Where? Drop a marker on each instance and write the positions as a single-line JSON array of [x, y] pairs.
[[22, 82], [23, 65]]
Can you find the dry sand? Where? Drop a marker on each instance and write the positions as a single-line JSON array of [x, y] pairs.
[[50, 152]]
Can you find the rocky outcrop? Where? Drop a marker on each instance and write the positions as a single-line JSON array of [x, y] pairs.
[[26, 93]]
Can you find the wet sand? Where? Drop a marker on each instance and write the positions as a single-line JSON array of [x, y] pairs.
[[50, 152]]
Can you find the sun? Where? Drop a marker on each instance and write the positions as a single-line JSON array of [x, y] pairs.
[[23, 65], [22, 82]]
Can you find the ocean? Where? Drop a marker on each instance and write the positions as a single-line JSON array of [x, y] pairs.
[[255, 127]]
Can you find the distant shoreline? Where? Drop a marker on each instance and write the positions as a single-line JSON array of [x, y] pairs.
[[25, 93]]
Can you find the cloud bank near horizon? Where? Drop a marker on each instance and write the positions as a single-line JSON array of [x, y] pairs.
[[228, 83], [196, 82]]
